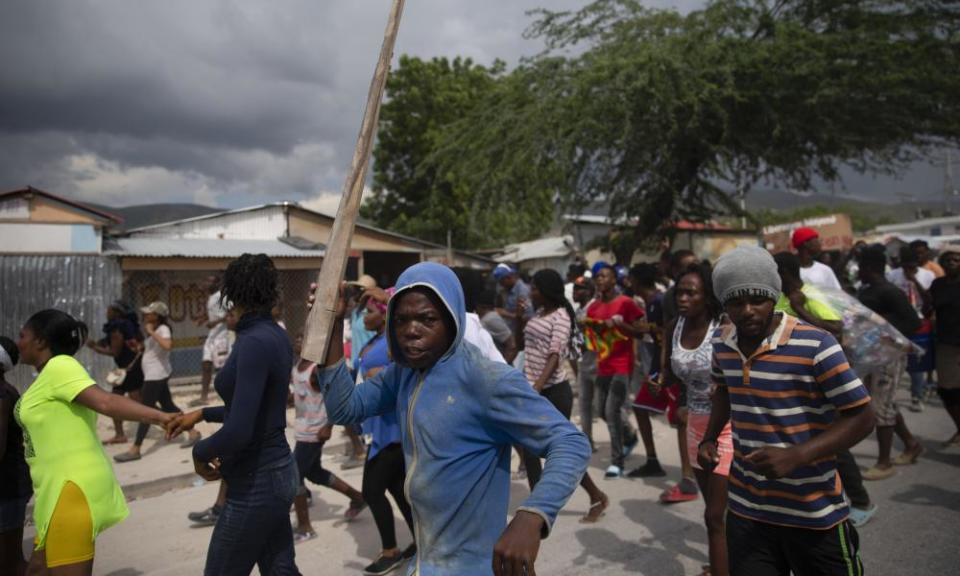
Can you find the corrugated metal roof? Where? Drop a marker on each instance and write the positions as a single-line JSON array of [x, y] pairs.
[[203, 248], [555, 247]]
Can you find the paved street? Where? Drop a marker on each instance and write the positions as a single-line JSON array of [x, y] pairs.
[[915, 531]]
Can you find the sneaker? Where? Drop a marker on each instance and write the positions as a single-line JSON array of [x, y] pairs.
[[409, 552], [206, 518], [613, 472], [301, 537], [630, 445], [384, 565], [916, 405], [860, 516], [651, 469]]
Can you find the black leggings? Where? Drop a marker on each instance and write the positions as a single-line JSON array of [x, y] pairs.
[[852, 480], [382, 473], [561, 396], [152, 393]]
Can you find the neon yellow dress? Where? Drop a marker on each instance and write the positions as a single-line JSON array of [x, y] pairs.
[[61, 445]]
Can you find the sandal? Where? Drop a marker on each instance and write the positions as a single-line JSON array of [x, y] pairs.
[[909, 456], [597, 510], [126, 457], [356, 507], [875, 473], [675, 494], [116, 440]]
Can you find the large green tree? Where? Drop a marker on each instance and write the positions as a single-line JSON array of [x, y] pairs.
[[414, 196], [666, 116]]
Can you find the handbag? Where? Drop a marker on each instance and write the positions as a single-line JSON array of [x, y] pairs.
[[117, 376]]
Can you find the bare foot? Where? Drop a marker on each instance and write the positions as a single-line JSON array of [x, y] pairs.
[[597, 510]]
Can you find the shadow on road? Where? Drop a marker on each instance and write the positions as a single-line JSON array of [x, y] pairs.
[[608, 548], [671, 531], [927, 495]]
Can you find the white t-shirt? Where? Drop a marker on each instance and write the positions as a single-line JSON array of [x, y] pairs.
[[820, 275], [156, 360], [924, 277], [477, 335], [216, 311]]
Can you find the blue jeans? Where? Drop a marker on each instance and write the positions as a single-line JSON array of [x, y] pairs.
[[612, 393], [918, 383], [254, 526]]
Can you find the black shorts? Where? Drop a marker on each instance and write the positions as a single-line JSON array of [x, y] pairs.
[[308, 456], [760, 549]]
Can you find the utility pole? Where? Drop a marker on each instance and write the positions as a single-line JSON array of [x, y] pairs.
[[949, 190]]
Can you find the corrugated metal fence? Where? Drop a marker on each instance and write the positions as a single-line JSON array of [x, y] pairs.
[[81, 285]]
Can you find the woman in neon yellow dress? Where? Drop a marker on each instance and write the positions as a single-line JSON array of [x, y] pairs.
[[77, 495]]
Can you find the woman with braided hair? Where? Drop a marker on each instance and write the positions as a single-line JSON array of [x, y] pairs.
[[250, 452], [550, 339]]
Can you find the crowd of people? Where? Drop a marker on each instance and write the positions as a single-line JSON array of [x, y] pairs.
[[440, 379]]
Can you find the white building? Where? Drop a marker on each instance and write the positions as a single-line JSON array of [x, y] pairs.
[[33, 221], [945, 226]]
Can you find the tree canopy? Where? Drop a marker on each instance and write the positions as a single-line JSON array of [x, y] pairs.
[[663, 115], [414, 196]]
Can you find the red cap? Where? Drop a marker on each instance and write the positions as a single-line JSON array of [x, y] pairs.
[[803, 235]]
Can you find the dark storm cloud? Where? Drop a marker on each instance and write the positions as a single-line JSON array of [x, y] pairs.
[[229, 102], [118, 101]]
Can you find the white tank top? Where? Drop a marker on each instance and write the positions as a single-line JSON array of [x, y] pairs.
[[692, 367]]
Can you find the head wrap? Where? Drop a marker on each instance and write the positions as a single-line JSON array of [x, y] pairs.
[[382, 306]]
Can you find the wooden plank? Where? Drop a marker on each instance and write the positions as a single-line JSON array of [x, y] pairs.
[[320, 321]]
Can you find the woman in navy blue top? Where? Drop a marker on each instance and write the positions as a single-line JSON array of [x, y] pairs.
[[250, 452]]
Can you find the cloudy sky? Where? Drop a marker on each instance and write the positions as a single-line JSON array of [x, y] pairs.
[[228, 102]]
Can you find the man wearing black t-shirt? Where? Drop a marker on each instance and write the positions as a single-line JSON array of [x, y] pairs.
[[890, 302]]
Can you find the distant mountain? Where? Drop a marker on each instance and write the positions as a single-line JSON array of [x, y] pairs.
[[867, 212], [150, 214]]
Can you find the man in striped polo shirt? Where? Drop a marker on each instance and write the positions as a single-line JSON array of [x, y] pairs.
[[794, 403]]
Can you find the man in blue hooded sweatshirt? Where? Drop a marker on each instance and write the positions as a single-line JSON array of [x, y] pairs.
[[460, 415]]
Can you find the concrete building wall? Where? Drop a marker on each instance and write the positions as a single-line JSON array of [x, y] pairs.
[[34, 238]]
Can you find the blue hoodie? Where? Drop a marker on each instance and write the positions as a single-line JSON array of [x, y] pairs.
[[459, 420]]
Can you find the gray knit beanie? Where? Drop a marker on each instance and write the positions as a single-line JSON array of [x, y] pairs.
[[746, 271]]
